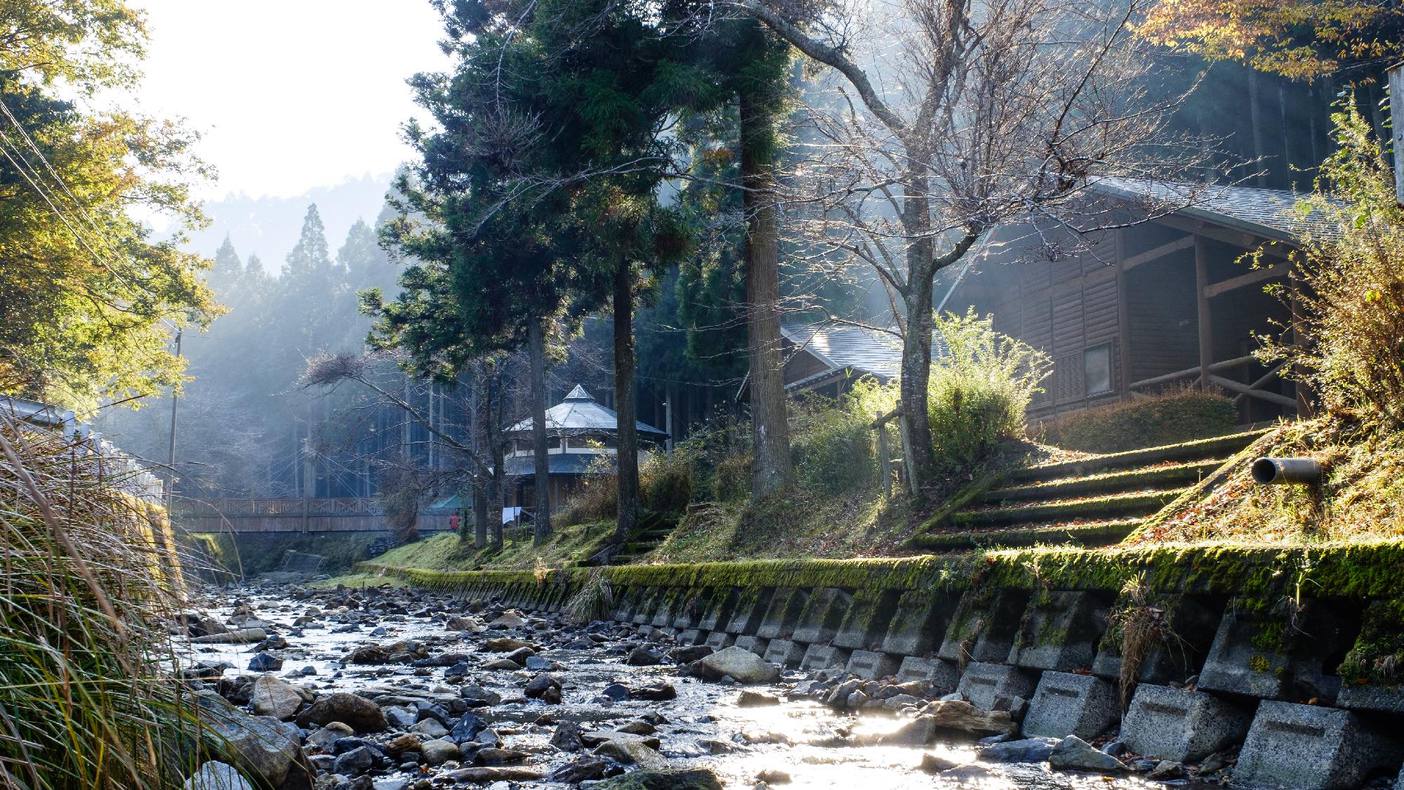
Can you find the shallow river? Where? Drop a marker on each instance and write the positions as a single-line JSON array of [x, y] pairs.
[[814, 745]]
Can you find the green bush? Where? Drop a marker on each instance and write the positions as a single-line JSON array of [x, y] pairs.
[[834, 443], [980, 389], [665, 481], [1352, 302], [1176, 415]]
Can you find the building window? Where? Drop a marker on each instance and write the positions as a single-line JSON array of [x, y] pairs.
[[1096, 369]]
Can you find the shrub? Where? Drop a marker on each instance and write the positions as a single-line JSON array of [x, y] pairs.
[[665, 486], [1175, 415], [834, 442], [980, 389], [1352, 305]]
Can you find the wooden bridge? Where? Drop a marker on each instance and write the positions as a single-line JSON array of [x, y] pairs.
[[347, 514]]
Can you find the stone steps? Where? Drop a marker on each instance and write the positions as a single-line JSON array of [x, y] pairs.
[[1092, 501]]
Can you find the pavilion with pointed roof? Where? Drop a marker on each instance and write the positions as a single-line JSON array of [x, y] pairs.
[[580, 431]]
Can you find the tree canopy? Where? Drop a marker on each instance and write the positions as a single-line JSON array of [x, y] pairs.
[[89, 297]]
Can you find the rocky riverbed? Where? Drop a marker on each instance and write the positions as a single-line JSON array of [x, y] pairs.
[[385, 689]]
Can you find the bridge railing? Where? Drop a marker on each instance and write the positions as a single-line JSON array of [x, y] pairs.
[[343, 514]]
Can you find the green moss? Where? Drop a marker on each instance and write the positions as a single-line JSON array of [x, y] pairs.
[[1378, 654], [1259, 573]]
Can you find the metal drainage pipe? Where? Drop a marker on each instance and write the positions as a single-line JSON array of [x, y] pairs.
[[1283, 471]]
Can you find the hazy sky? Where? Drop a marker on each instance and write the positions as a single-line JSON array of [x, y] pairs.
[[290, 94]]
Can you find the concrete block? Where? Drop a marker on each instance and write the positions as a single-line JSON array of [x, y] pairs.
[[783, 614], [624, 602], [984, 625], [871, 665], [1185, 726], [755, 644], [1309, 746], [920, 622], [867, 619], [692, 636], [1248, 655], [1269, 653], [942, 675], [784, 652], [1060, 631], [1065, 704], [649, 601], [719, 639], [751, 603], [822, 615], [823, 657], [985, 684], [670, 602], [689, 608], [717, 608], [1381, 624]]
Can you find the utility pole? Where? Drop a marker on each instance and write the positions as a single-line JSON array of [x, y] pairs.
[[170, 446]]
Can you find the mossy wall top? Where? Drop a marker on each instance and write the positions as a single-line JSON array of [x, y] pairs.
[[1358, 570]]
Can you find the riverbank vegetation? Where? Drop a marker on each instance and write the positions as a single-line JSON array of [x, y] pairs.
[[85, 661]]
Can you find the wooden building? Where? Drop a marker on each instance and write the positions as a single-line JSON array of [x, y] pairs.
[[1167, 301]]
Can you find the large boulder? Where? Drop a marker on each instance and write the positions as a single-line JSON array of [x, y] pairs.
[[360, 713], [1076, 754], [215, 775], [260, 746], [273, 696], [738, 663]]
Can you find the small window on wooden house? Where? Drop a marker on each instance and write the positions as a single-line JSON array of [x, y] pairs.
[[1096, 369]]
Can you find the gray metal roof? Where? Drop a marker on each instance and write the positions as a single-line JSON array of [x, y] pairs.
[[578, 414], [847, 347], [1270, 213]]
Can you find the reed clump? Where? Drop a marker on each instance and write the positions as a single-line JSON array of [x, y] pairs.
[[88, 579]]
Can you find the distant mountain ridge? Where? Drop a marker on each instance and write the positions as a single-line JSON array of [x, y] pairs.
[[268, 226]]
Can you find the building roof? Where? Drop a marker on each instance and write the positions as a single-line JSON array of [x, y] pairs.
[[581, 414], [847, 347], [1269, 213]]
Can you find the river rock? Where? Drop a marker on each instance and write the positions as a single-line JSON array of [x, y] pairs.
[[1026, 750], [492, 755], [404, 742], [490, 774], [961, 716], [273, 696], [215, 775], [642, 657], [583, 769], [260, 746], [368, 654], [567, 737], [438, 751], [539, 686], [1075, 753], [430, 728], [755, 699], [738, 663], [478, 697], [505, 644], [698, 779], [632, 751], [359, 713], [353, 762], [242, 636], [660, 692], [330, 734]]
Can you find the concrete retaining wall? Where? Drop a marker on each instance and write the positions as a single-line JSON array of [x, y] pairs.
[[1224, 673]]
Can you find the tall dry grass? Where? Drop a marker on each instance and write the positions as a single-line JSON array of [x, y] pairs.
[[87, 582]]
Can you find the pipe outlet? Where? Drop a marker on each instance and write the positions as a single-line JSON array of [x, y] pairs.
[[1284, 471]]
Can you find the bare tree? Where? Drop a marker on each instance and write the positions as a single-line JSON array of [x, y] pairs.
[[952, 117], [481, 453]]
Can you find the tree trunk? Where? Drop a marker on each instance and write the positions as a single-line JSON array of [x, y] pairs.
[[917, 453], [498, 448], [627, 453], [541, 484], [772, 470], [482, 436]]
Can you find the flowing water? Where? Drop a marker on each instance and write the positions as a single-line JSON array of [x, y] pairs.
[[704, 726]]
